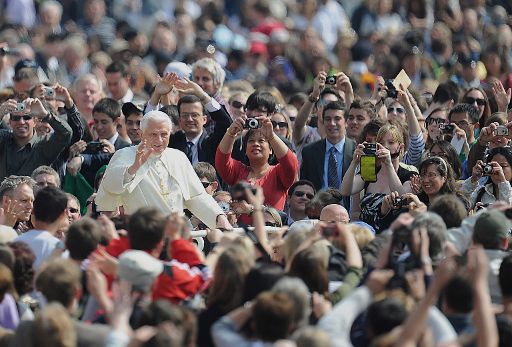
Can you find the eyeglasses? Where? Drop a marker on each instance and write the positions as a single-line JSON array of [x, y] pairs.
[[18, 118], [470, 100], [396, 109], [281, 124], [193, 115], [73, 210], [300, 194], [431, 120], [237, 104], [206, 184]]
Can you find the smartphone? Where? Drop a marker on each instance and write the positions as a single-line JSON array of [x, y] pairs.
[[369, 168]]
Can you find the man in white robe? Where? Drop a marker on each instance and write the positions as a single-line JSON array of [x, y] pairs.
[[151, 174]]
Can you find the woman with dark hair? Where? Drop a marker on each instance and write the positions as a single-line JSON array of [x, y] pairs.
[[496, 187], [445, 150], [259, 143], [478, 98], [437, 178]]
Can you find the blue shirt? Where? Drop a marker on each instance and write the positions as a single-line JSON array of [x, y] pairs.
[[340, 146]]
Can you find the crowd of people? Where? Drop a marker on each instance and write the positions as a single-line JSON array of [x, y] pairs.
[[256, 173]]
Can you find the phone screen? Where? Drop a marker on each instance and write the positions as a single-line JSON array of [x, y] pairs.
[[369, 168]]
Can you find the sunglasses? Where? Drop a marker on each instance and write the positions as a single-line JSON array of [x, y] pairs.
[[73, 210], [237, 104], [206, 184], [396, 109], [430, 120], [18, 118], [281, 124], [470, 100], [270, 224], [300, 194]]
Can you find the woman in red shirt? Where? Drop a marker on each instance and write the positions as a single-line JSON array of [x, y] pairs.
[[259, 144]]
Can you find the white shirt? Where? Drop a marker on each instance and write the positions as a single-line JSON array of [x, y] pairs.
[[41, 242]]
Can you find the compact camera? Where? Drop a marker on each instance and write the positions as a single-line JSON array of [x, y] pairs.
[[487, 169], [370, 148], [400, 202], [447, 128], [252, 123], [501, 130], [21, 107], [49, 92], [391, 90], [238, 190], [330, 80]]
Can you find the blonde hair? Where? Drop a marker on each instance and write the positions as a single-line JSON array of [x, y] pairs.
[[396, 133], [362, 235], [289, 132]]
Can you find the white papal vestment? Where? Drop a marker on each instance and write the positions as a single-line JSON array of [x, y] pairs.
[[167, 182]]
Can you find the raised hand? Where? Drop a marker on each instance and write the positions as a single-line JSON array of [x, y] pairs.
[[166, 84], [501, 95], [8, 107], [187, 86], [142, 155], [62, 94], [343, 84], [416, 184], [36, 108], [319, 84]]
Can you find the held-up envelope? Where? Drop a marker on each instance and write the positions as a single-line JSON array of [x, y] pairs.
[[402, 79]]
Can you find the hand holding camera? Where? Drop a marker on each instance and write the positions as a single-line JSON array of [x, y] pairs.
[[494, 169], [8, 107]]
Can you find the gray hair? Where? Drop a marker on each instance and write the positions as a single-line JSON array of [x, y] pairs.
[[436, 229], [49, 4], [46, 170], [299, 293], [155, 116], [214, 68], [87, 77], [72, 197], [12, 182]]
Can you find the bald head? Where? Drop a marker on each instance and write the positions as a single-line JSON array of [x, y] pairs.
[[334, 213]]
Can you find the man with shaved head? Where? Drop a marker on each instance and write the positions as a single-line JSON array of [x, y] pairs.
[[334, 213]]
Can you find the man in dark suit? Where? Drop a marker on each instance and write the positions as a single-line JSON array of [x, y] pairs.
[[325, 162], [192, 139], [89, 157]]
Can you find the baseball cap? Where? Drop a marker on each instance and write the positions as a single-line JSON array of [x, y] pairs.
[[130, 108], [491, 228], [139, 268]]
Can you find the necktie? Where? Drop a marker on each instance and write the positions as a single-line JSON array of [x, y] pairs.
[[332, 170], [189, 150]]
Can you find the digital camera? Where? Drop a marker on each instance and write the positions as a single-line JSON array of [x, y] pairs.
[[501, 130], [49, 92], [487, 169], [21, 107], [400, 202], [447, 128], [370, 148], [391, 90], [330, 80], [252, 123]]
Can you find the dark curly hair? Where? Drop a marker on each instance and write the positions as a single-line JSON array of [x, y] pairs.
[[23, 271]]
